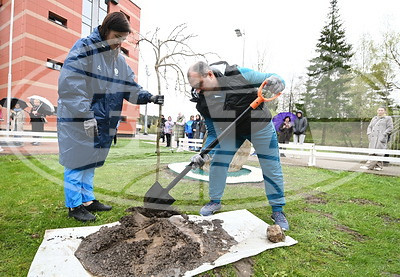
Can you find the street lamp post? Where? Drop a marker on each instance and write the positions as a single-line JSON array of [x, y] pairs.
[[241, 34], [9, 78]]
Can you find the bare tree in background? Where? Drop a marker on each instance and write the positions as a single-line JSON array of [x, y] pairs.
[[392, 43], [294, 89], [169, 53], [261, 60]]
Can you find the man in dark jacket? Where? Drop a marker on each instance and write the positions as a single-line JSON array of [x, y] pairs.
[[299, 128], [94, 81], [223, 93]]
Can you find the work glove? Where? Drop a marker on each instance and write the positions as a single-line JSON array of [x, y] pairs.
[[157, 99], [275, 84], [199, 161], [90, 127]]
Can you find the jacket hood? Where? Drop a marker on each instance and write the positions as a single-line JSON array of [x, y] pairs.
[[95, 35], [299, 111], [101, 44]]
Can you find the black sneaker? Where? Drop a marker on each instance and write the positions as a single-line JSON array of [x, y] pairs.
[[81, 214], [96, 206]]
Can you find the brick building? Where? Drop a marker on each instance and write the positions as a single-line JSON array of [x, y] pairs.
[[43, 33]]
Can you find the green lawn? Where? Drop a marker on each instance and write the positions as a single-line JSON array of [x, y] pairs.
[[347, 224]]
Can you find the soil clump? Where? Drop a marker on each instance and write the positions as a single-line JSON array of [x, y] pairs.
[[275, 233], [153, 243]]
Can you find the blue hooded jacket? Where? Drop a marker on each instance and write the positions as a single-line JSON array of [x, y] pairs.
[[93, 83]]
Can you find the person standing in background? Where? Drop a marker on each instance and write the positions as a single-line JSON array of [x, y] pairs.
[[203, 128], [379, 130], [179, 131], [37, 119], [189, 128], [196, 129], [286, 130], [1, 113], [18, 119], [162, 133], [168, 129], [299, 128], [1, 119]]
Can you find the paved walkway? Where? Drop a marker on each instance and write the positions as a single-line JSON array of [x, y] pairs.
[[327, 163]]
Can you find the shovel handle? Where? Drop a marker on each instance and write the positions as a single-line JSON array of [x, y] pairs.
[[260, 99]]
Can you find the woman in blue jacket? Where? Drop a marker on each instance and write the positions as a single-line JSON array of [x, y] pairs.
[[94, 81]]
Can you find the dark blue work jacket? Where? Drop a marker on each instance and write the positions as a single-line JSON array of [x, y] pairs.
[[93, 83]]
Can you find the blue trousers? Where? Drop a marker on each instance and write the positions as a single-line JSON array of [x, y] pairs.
[[265, 143], [78, 186]]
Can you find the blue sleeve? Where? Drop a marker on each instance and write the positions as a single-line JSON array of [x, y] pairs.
[[256, 78]]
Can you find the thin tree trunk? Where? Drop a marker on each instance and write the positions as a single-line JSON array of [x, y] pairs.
[[361, 133], [158, 130]]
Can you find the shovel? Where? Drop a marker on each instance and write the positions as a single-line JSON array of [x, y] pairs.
[[159, 198]]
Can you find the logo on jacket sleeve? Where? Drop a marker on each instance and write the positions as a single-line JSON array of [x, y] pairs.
[[115, 71]]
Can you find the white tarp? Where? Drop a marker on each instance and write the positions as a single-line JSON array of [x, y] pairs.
[[55, 256]]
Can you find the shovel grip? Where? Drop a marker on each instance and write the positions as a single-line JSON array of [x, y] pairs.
[[260, 98]]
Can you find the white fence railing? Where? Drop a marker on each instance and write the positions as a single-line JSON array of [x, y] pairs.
[[190, 144], [357, 154], [339, 153], [313, 152], [307, 149], [13, 136]]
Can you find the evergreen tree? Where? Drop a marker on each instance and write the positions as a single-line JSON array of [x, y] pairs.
[[326, 94]]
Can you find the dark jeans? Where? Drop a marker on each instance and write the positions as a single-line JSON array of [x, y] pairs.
[[168, 140], [37, 126]]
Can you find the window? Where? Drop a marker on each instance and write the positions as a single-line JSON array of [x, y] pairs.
[[102, 15], [93, 14], [87, 9], [54, 64], [57, 19], [103, 5], [86, 30], [125, 51]]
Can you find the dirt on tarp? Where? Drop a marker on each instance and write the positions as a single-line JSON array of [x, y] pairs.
[[153, 243]]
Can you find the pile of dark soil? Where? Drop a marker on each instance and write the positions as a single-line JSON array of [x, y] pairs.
[[153, 243]]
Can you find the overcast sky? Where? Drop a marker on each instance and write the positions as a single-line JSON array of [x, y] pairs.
[[286, 31]]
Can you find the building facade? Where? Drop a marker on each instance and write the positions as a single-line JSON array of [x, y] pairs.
[[43, 33]]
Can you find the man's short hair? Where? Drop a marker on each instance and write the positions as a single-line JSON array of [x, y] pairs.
[[200, 67]]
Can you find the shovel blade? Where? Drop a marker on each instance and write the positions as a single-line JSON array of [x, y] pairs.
[[158, 197]]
